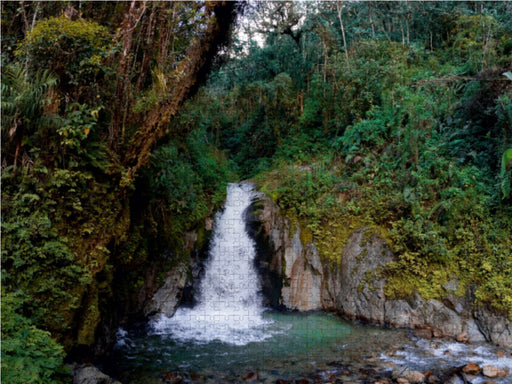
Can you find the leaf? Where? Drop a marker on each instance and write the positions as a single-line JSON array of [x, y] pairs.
[[506, 161], [508, 74]]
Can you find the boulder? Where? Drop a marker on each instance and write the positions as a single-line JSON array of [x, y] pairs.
[[413, 376], [496, 328], [90, 375], [168, 297]]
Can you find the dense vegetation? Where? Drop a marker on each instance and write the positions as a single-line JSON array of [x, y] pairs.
[[392, 116], [388, 116], [87, 91]]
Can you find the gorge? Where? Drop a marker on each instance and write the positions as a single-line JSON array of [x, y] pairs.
[[375, 221]]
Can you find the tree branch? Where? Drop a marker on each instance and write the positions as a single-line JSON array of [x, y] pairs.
[[193, 69]]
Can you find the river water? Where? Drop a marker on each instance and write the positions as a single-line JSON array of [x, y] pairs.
[[228, 336]]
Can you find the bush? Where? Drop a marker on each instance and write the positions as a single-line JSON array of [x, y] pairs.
[[73, 50], [29, 354]]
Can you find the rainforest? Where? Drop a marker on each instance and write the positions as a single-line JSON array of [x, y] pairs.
[[373, 141]]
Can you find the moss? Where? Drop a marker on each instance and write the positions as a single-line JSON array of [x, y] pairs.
[[90, 319], [306, 235], [333, 236]]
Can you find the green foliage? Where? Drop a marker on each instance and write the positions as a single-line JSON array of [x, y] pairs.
[[505, 173], [72, 49], [185, 179], [29, 354], [78, 124], [24, 107], [57, 265], [474, 42]]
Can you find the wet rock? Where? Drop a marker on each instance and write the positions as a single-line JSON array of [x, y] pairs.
[[495, 328], [424, 333], [413, 376], [389, 365], [167, 298], [463, 337], [454, 379], [433, 379], [283, 381], [471, 369], [437, 333], [251, 376], [490, 382], [493, 372], [90, 375], [173, 377]]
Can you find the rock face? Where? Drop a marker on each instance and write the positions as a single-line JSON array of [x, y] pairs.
[[302, 276], [354, 286], [178, 286], [167, 298], [292, 273]]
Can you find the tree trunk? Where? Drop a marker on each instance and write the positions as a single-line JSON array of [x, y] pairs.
[[147, 47], [131, 19], [193, 70], [372, 24], [339, 7]]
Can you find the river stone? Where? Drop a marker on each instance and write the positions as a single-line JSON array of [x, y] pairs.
[[251, 376], [471, 369], [413, 376], [492, 372], [90, 375], [462, 337]]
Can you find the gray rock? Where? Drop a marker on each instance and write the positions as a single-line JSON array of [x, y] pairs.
[[303, 275], [90, 375], [496, 329], [167, 298], [358, 290]]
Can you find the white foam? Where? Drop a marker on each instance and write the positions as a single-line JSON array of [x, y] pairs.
[[446, 354], [121, 337], [229, 306]]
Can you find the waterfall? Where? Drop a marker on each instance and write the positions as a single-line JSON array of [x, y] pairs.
[[229, 307]]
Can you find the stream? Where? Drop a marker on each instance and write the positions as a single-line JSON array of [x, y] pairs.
[[228, 336]]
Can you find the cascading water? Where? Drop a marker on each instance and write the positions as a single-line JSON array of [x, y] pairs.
[[229, 306]]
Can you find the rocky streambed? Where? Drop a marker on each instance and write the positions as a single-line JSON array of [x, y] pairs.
[[309, 348]]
